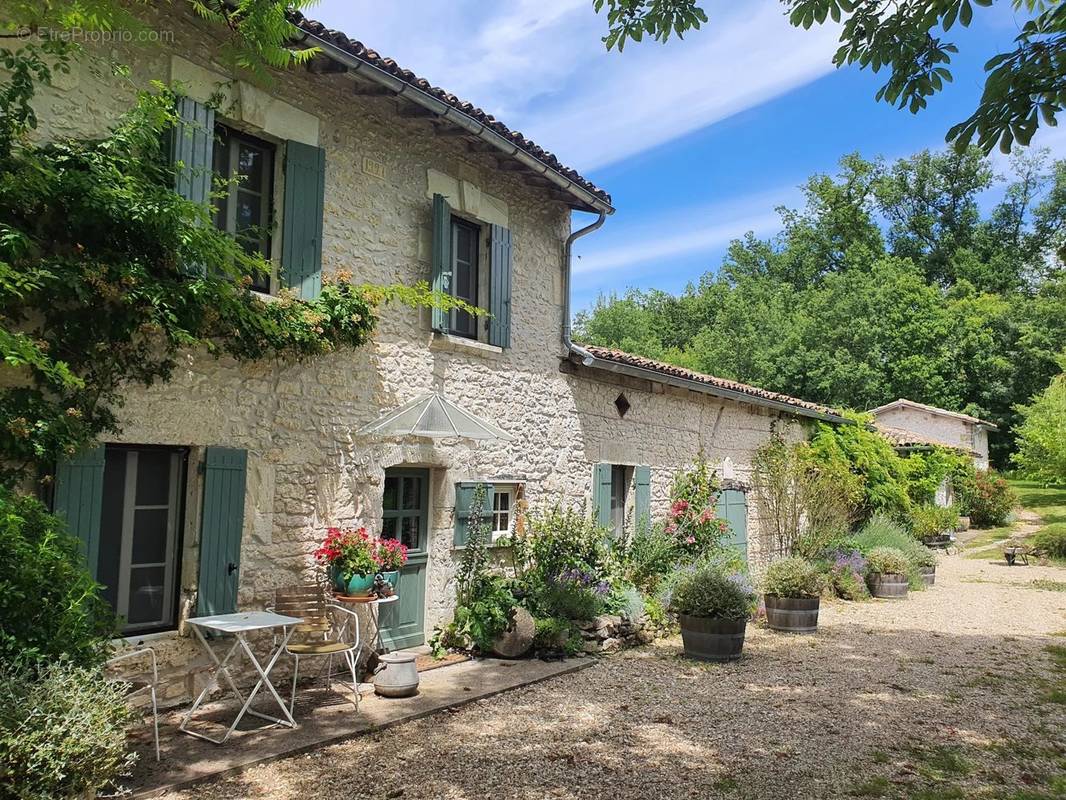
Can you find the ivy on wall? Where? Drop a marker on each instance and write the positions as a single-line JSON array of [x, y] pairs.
[[106, 274]]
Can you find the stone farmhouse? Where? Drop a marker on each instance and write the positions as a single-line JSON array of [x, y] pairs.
[[223, 481], [914, 424]]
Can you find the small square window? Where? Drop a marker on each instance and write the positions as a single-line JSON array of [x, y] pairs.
[[502, 507]]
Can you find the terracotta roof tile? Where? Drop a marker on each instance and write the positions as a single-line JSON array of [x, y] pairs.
[[372, 57], [899, 437], [620, 357]]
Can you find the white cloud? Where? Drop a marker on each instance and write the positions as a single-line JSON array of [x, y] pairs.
[[682, 232], [539, 65]]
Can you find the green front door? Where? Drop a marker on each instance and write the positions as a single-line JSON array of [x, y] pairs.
[[405, 516]]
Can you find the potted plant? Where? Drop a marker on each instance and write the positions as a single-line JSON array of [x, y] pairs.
[[389, 556], [886, 573], [924, 561], [792, 589], [349, 557], [713, 609]]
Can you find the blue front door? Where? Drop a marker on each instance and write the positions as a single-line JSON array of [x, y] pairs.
[[405, 516]]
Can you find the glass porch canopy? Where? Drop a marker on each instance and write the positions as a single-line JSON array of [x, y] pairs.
[[433, 416]]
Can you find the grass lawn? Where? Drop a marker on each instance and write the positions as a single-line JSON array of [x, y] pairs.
[[1047, 502]]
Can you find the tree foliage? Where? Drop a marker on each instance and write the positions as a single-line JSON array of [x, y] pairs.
[[1042, 433], [1024, 87], [891, 281]]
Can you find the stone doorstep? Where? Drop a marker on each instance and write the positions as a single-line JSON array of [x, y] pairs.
[[187, 760]]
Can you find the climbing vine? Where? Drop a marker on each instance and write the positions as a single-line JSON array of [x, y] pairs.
[[107, 274]]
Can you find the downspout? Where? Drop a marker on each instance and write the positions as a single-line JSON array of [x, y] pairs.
[[586, 357]]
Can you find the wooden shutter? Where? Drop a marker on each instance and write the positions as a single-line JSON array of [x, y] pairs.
[[464, 497], [192, 149], [225, 475], [642, 495], [601, 494], [301, 236], [500, 286], [79, 495], [733, 508], [442, 257]]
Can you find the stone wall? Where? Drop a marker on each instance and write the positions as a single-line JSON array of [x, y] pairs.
[[306, 467]]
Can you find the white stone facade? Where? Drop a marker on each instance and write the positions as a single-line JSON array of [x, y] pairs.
[[953, 430], [306, 468]]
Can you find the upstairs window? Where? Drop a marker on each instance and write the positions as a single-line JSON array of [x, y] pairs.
[[245, 166], [465, 242]]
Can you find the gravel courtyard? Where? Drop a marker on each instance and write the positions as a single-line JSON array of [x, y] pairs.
[[958, 692]]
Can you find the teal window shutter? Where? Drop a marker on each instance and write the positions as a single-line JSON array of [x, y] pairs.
[[464, 497], [79, 495], [301, 235], [601, 494], [642, 495], [500, 286], [192, 149], [442, 257], [225, 477], [733, 508]]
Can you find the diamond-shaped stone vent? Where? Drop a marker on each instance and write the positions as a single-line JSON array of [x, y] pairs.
[[622, 404]]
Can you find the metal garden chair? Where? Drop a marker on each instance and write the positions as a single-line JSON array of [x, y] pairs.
[[328, 629], [140, 685]]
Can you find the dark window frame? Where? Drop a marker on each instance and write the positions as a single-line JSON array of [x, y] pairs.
[[621, 490], [225, 137], [178, 547], [461, 323]]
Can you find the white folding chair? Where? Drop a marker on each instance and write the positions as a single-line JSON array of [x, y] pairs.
[[140, 684]]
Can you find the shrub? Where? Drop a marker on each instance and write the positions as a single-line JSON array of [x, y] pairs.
[[846, 571], [62, 731], [573, 595], [556, 637], [50, 607], [626, 600], [929, 520], [886, 561], [992, 500], [647, 556], [704, 590], [1052, 540], [482, 616], [882, 532], [558, 540], [793, 577]]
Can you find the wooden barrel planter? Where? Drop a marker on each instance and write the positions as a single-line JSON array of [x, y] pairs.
[[888, 585], [792, 614], [929, 576], [709, 639]]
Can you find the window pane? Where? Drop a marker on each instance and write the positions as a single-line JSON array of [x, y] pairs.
[[250, 166], [409, 532], [146, 595], [412, 489], [391, 500], [388, 528], [153, 477], [149, 536]]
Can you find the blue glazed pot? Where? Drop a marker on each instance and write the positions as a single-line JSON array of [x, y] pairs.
[[355, 586], [392, 578]]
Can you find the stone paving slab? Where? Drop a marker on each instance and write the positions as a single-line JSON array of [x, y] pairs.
[[323, 717]]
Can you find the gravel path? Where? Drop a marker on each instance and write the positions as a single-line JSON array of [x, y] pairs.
[[947, 691]]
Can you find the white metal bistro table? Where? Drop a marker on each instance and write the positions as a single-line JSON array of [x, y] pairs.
[[373, 625], [239, 626]]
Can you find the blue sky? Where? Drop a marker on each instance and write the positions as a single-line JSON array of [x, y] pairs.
[[697, 140]]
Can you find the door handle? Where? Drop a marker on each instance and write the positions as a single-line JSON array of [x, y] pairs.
[[231, 568]]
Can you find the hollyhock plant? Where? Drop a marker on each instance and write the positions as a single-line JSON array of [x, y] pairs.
[[348, 552], [693, 518]]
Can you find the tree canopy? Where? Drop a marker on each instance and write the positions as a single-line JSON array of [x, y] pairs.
[[1024, 88], [891, 281]]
